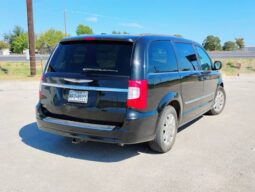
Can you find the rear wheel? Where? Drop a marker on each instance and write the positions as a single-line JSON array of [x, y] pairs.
[[219, 102], [166, 131]]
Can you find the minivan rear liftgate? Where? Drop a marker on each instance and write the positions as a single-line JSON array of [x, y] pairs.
[[94, 99], [87, 82]]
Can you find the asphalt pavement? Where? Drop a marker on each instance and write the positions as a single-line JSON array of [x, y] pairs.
[[219, 54], [233, 54], [21, 58], [213, 153]]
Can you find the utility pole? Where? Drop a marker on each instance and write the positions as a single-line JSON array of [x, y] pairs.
[[31, 37], [65, 22]]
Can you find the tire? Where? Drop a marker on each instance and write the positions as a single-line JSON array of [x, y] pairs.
[[166, 131], [219, 102]]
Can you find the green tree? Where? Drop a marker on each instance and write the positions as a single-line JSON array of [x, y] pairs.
[[20, 43], [16, 39], [212, 43], [83, 29], [4, 45], [116, 32], [49, 39], [229, 46], [178, 35], [119, 32], [240, 43], [17, 30]]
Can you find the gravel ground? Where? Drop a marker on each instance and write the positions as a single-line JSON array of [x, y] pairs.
[[214, 153]]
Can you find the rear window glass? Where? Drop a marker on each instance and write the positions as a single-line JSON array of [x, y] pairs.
[[92, 57]]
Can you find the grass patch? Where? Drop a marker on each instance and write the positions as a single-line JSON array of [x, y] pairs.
[[230, 65], [19, 70]]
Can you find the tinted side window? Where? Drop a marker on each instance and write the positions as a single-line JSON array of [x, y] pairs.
[[186, 56], [204, 59], [162, 57]]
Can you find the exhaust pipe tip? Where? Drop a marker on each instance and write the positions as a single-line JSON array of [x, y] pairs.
[[77, 140]]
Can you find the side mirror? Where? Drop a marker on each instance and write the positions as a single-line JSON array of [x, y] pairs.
[[217, 65]]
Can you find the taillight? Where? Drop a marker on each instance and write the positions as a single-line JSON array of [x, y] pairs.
[[89, 38], [137, 94]]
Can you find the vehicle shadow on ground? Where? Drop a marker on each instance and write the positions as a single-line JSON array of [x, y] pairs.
[[91, 151], [182, 128]]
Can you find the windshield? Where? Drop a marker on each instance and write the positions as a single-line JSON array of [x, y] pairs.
[[92, 57]]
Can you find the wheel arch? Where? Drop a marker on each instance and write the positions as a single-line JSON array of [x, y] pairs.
[[173, 99], [176, 105], [220, 82]]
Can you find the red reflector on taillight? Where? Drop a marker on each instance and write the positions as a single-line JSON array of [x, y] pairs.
[[89, 38], [137, 94]]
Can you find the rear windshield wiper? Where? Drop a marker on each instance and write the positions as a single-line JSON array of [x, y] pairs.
[[96, 69]]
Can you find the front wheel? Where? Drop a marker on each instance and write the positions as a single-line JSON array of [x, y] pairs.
[[219, 102], [166, 131]]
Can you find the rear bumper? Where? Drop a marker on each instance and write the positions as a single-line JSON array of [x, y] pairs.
[[138, 127]]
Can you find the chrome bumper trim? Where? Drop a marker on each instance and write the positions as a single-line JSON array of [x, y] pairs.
[[84, 88]]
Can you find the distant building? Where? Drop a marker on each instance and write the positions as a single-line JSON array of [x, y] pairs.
[[5, 52], [248, 49]]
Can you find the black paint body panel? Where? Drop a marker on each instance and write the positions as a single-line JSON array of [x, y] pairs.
[[194, 92]]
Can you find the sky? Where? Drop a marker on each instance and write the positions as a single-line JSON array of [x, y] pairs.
[[193, 19]]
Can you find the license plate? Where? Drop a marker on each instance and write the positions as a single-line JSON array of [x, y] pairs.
[[78, 96]]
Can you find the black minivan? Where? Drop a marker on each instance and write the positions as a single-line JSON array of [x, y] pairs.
[[127, 89]]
